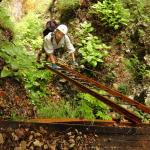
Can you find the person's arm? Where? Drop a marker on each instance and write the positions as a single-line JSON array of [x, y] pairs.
[[70, 47], [51, 58]]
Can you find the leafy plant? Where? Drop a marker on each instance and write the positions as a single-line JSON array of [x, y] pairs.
[[91, 47], [92, 108], [85, 111], [65, 4], [88, 107], [5, 19], [122, 88], [22, 65], [111, 13], [28, 31], [139, 10], [59, 110], [15, 117], [139, 70], [110, 77]]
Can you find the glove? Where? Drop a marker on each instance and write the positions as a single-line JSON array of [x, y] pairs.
[[74, 63]]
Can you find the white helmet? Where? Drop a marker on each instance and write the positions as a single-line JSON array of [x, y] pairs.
[[63, 28]]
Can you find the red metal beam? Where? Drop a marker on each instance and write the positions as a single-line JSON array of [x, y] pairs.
[[129, 115], [83, 121], [110, 91]]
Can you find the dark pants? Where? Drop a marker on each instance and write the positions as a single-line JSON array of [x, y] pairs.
[[59, 52]]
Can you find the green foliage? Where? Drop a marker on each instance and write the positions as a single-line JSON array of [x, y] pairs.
[[91, 47], [111, 13], [123, 88], [92, 108], [88, 108], [67, 4], [28, 31], [20, 62], [85, 111], [139, 9], [15, 117], [110, 77], [139, 70], [5, 19], [22, 65], [42, 7], [144, 116], [57, 110]]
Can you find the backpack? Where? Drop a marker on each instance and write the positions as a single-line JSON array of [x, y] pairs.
[[50, 27]]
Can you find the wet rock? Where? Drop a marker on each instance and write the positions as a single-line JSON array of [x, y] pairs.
[[69, 133], [19, 132], [72, 137], [37, 143], [71, 145], [62, 80], [15, 137], [23, 145], [42, 130], [53, 147], [17, 148], [76, 131], [147, 99], [31, 148], [71, 141], [37, 134], [30, 137], [32, 140], [147, 59], [45, 146], [1, 139], [29, 143], [115, 86], [78, 138], [131, 96]]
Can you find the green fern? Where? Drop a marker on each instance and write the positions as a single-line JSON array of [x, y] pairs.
[[91, 48], [92, 108], [111, 13]]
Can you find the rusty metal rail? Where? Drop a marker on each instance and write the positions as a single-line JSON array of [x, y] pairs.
[[85, 122], [110, 91], [129, 115]]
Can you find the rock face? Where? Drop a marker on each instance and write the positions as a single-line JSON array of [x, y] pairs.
[[147, 100], [16, 9], [1, 139], [72, 137], [147, 59]]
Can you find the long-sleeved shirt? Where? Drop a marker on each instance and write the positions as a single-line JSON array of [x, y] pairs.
[[50, 43]]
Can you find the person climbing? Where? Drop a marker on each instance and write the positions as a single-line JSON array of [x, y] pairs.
[[55, 41], [51, 25]]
